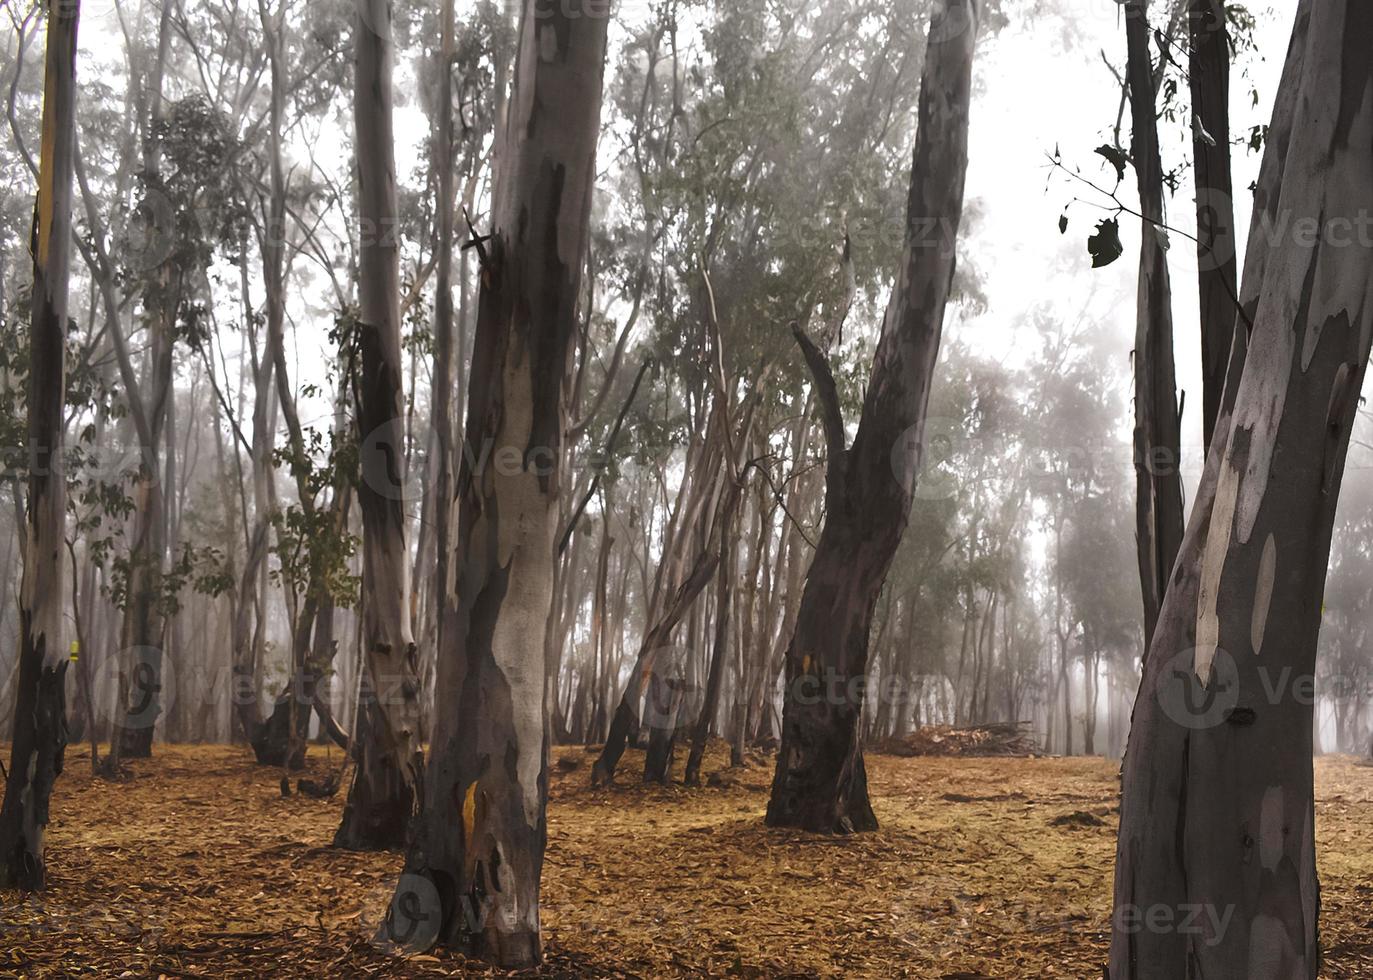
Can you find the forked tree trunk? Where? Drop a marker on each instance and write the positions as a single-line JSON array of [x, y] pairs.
[[1157, 441], [281, 739], [473, 870], [40, 720], [1218, 801], [624, 724], [820, 783], [392, 657], [1209, 78], [144, 626]]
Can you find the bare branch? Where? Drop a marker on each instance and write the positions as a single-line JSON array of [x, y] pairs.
[[831, 414]]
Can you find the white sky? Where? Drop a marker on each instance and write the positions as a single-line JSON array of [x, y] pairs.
[[1043, 84]]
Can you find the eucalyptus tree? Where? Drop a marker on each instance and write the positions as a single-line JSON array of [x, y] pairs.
[[1208, 63], [478, 850], [1074, 391], [1222, 736], [40, 731], [160, 283], [1094, 556], [820, 782], [1158, 471], [389, 759], [1346, 670], [758, 149]]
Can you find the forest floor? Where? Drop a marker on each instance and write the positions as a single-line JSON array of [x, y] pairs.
[[983, 868]]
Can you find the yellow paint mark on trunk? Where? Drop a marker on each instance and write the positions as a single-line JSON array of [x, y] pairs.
[[469, 813]]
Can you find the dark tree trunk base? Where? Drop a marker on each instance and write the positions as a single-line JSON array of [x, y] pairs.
[[136, 743], [35, 763], [273, 740], [664, 701], [843, 809], [380, 804]]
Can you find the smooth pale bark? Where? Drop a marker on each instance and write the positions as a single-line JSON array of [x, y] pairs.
[[676, 586], [144, 627], [715, 677], [599, 603], [249, 615], [392, 656], [442, 418], [1218, 801], [1157, 437], [473, 870], [40, 720], [624, 724], [820, 783], [1217, 286]]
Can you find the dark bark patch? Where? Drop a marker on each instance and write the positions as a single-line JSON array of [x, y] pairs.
[[1241, 717], [1356, 70]]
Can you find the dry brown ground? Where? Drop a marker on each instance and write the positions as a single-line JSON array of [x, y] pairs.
[[199, 867]]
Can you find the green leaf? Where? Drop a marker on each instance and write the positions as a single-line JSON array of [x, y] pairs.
[[1104, 247], [1116, 157]]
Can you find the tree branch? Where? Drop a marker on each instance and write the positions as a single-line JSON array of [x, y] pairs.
[[831, 415], [566, 536]]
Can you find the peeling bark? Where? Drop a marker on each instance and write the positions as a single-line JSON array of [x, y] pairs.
[[473, 869], [820, 783], [40, 720], [392, 656], [1218, 802]]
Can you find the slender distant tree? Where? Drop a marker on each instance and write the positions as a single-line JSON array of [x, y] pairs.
[[1218, 807], [144, 630], [40, 719], [442, 396], [388, 750], [1208, 76], [820, 782], [473, 870], [1159, 515]]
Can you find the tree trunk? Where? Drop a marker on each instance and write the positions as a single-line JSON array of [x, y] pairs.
[[381, 801], [1209, 78], [624, 724], [724, 594], [1157, 439], [392, 656], [663, 705], [441, 420], [1218, 802], [820, 783], [144, 627], [599, 666], [40, 722], [473, 870]]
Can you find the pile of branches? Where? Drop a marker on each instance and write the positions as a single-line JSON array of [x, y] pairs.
[[1008, 738]]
